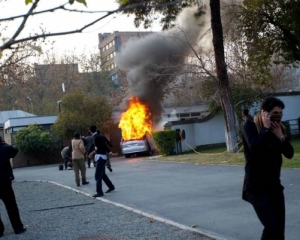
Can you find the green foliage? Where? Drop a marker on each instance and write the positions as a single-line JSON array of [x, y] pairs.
[[28, 1], [36, 141], [271, 28], [80, 1], [145, 14], [79, 112], [165, 141]]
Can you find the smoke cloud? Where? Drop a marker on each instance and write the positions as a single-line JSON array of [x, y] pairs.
[[146, 59]]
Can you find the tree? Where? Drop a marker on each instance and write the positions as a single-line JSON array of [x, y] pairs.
[[36, 141], [271, 28], [145, 15], [79, 112], [21, 45]]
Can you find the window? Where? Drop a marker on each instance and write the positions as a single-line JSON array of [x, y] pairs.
[[184, 115], [195, 114]]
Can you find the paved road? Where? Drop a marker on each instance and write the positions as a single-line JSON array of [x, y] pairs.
[[208, 196]]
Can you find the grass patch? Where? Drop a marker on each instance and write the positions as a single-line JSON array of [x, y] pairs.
[[219, 155]]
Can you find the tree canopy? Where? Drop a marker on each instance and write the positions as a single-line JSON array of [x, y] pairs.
[[78, 112], [272, 30]]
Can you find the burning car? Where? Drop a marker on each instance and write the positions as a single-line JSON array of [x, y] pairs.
[[136, 146], [136, 126]]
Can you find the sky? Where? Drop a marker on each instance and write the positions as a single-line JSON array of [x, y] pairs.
[[66, 21]]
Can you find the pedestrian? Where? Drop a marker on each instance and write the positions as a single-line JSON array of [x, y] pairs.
[[7, 194], [265, 140], [100, 158], [66, 155], [89, 139], [108, 152], [246, 116], [78, 152]]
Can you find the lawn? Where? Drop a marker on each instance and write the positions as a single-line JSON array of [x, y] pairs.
[[219, 155]]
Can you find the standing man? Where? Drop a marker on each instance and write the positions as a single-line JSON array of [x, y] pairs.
[[265, 141], [7, 194], [100, 158], [78, 152]]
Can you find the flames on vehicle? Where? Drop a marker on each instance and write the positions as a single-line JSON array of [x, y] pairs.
[[136, 122], [136, 126]]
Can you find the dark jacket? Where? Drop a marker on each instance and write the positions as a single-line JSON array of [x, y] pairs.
[[101, 143], [263, 153], [6, 153]]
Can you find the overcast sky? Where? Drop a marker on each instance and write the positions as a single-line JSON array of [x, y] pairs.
[[63, 21]]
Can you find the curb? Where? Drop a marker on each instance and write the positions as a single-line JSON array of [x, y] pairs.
[[148, 215]]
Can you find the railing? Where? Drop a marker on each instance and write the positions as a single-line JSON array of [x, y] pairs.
[[294, 124]]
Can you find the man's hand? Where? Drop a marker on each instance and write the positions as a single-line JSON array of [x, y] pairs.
[[265, 117], [276, 129]]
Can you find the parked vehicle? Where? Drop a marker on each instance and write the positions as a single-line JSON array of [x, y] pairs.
[[136, 146]]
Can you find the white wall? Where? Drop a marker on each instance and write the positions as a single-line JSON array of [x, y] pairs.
[[209, 132], [292, 107]]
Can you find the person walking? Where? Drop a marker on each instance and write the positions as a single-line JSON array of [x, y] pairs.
[[7, 194], [89, 139], [108, 152], [265, 140], [100, 158], [78, 152]]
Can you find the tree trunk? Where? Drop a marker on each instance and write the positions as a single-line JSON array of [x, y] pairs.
[[221, 68]]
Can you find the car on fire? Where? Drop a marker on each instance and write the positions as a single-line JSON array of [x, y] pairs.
[[141, 146]]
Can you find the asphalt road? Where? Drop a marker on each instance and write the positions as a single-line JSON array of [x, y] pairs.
[[206, 196]]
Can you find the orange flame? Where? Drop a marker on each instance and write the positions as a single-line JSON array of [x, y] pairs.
[[136, 121]]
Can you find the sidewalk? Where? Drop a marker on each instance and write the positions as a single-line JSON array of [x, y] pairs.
[[53, 212]]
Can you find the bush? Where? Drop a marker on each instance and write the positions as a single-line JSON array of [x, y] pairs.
[[36, 141], [165, 141]]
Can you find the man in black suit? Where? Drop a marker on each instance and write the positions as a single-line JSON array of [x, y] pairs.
[[100, 147], [7, 194]]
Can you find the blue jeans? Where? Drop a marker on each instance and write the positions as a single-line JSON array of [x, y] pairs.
[[101, 175]]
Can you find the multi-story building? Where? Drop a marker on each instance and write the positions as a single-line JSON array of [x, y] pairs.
[[110, 45]]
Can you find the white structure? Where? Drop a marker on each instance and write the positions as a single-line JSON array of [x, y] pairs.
[[12, 125], [211, 129]]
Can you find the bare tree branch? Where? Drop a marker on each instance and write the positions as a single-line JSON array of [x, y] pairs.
[[12, 41]]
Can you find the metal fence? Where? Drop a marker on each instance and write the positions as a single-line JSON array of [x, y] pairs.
[[294, 124]]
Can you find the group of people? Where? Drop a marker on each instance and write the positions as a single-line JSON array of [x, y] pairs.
[[264, 139], [95, 146]]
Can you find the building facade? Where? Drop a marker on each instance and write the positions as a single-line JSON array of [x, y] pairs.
[[110, 45]]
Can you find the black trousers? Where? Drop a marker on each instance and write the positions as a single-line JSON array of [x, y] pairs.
[[7, 195], [270, 208], [101, 175]]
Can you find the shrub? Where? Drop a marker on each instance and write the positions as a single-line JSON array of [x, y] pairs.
[[36, 141], [165, 141]]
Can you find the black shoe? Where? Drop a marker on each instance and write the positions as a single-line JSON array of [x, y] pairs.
[[98, 195], [78, 185], [20, 231], [110, 190], [110, 169], [85, 182]]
